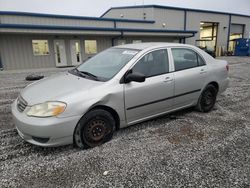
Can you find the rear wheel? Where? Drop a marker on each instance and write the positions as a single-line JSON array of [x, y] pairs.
[[94, 129], [207, 99]]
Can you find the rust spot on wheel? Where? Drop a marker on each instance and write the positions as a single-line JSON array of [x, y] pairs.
[[96, 130]]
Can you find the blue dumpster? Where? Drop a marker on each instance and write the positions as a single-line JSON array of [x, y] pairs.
[[248, 53], [242, 47]]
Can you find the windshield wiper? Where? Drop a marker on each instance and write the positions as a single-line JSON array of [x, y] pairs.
[[79, 73], [89, 74], [85, 73]]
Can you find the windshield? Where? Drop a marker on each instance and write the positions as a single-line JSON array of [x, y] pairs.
[[106, 64]]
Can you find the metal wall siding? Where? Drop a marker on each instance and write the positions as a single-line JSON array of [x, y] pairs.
[[150, 39], [18, 53], [174, 19], [135, 25], [136, 13], [12, 19]]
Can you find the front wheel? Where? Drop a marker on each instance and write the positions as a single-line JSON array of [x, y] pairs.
[[207, 99], [94, 129]]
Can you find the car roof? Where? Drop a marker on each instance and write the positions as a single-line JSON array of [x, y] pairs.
[[146, 45]]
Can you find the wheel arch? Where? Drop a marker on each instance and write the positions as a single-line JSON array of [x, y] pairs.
[[215, 84], [199, 106], [103, 107]]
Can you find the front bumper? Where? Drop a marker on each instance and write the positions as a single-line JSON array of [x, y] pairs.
[[52, 131]]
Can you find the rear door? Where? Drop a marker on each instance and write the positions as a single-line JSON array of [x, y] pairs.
[[190, 74], [146, 99]]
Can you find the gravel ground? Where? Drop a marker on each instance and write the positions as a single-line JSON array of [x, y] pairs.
[[186, 149]]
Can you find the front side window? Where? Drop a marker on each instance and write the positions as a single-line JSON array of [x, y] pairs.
[[108, 63], [184, 59], [153, 63], [90, 47], [40, 47]]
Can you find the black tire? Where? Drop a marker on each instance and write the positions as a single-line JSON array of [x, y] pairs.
[[207, 99], [95, 128], [33, 77]]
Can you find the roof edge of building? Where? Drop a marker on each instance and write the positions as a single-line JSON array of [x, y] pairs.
[[173, 8], [28, 26], [14, 13]]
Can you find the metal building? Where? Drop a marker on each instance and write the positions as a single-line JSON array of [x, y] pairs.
[[30, 40]]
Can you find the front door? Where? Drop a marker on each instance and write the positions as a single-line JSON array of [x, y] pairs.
[[154, 96], [60, 53], [75, 49]]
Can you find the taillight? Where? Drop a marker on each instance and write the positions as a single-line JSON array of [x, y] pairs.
[[227, 67]]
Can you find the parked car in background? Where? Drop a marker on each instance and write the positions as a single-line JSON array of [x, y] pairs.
[[118, 87]]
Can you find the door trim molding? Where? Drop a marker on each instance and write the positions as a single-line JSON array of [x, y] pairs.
[[160, 100]]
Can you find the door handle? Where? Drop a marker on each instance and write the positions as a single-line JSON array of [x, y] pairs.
[[203, 71], [168, 79]]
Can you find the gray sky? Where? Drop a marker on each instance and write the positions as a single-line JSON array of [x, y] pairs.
[[97, 7]]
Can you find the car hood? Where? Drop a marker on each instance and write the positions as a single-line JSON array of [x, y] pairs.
[[56, 88]]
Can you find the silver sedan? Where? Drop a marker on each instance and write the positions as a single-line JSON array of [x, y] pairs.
[[118, 87]]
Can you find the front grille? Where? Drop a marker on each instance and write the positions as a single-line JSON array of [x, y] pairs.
[[21, 104]]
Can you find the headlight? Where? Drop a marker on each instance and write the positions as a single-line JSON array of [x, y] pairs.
[[47, 109]]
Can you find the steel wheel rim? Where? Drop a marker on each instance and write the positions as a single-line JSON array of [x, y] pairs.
[[95, 131], [208, 98]]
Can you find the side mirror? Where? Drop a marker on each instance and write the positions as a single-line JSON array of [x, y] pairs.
[[135, 77]]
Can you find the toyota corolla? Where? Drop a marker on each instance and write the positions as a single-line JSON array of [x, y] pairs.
[[118, 87]]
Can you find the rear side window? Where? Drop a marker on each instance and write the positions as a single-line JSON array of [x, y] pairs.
[[153, 64], [201, 62], [186, 59]]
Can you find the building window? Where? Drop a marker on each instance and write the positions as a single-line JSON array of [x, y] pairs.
[[40, 47], [90, 46], [121, 42], [136, 41]]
